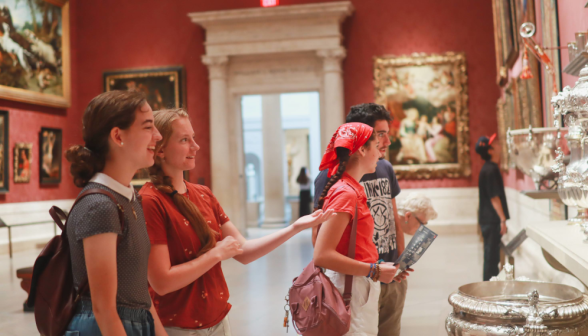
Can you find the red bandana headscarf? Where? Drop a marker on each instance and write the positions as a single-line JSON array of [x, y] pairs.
[[351, 136]]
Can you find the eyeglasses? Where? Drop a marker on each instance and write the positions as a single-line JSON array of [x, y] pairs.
[[418, 220]]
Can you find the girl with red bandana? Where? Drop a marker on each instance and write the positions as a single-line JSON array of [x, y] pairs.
[[352, 153]]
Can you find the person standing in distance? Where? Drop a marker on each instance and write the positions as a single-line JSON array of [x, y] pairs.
[[493, 209]]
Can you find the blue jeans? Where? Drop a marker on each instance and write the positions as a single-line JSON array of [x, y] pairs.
[[137, 322]]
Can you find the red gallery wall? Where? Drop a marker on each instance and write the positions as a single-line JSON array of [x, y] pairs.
[[25, 122], [111, 34]]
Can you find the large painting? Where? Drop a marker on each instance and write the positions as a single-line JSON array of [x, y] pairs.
[[4, 172], [427, 96], [50, 155], [163, 88], [34, 51], [505, 37]]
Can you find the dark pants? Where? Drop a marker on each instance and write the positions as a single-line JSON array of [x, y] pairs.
[[305, 200], [491, 234]]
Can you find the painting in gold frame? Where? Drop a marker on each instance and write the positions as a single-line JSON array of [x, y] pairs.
[[35, 50], [163, 87], [427, 94], [23, 162], [550, 36], [506, 112], [505, 37]]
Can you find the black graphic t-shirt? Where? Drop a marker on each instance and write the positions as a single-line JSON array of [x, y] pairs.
[[380, 187]]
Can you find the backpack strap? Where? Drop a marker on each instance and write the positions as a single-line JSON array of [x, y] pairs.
[[57, 214], [350, 254]]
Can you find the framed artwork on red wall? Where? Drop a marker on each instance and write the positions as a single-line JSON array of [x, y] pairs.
[[23, 159], [427, 96], [163, 87], [50, 155], [35, 52], [506, 37], [4, 153]]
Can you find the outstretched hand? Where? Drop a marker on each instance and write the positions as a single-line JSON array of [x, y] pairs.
[[313, 219]]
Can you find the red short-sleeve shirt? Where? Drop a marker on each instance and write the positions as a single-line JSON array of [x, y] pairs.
[[342, 197], [203, 303]]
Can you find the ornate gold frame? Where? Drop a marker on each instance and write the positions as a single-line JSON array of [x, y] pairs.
[[458, 61], [504, 62], [38, 98]]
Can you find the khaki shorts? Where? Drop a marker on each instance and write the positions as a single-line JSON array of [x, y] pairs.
[[365, 295], [223, 328]]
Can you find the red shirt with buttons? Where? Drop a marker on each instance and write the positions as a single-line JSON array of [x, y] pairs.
[[342, 197], [203, 303]]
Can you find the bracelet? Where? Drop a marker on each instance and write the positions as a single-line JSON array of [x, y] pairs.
[[376, 274], [370, 272]]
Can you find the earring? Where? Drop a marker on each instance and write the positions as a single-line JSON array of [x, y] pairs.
[[121, 143]]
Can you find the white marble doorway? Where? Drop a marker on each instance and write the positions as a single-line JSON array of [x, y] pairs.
[[267, 51]]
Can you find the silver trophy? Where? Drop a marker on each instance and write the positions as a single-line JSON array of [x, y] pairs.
[[571, 105]]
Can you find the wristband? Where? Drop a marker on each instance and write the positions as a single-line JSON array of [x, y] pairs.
[[370, 272]]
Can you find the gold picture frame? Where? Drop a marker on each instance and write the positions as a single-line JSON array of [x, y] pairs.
[[50, 70], [436, 85], [506, 40], [506, 112], [23, 162]]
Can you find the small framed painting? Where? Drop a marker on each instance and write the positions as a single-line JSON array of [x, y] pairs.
[[50, 155], [4, 153], [23, 158]]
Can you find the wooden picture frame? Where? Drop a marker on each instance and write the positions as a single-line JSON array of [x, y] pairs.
[[4, 152], [40, 71], [50, 156], [437, 145], [23, 162], [164, 87]]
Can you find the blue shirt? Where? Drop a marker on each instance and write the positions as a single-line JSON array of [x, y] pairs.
[[380, 188]]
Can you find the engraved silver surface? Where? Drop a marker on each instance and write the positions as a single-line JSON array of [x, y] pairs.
[[521, 308], [533, 152]]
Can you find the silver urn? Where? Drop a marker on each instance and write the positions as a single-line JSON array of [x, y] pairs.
[[571, 106], [517, 308]]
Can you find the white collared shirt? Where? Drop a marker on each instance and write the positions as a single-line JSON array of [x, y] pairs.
[[113, 184]]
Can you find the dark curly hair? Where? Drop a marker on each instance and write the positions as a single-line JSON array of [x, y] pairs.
[[368, 113], [105, 112]]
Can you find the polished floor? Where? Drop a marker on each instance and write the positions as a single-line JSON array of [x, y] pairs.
[[258, 289]]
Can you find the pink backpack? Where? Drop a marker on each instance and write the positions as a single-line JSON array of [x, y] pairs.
[[317, 307]]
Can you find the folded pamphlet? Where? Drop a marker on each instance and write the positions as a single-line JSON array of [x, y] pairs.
[[416, 248]]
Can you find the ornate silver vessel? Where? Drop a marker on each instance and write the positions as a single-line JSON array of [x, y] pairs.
[[533, 152], [571, 106], [517, 308]]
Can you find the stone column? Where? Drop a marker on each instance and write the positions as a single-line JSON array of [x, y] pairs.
[[333, 98], [220, 157], [273, 167]]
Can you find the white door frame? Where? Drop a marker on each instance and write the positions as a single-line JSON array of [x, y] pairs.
[[264, 51]]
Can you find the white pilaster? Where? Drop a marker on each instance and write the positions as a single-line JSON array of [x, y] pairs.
[[333, 97], [221, 161], [273, 168]]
